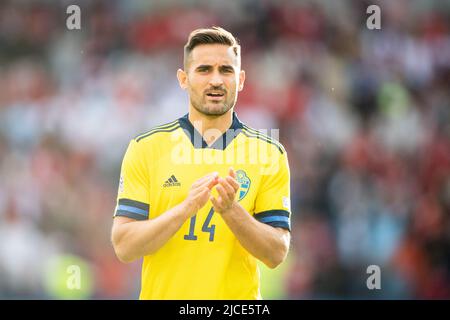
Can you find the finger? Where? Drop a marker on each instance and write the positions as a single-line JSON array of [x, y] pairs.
[[215, 202], [223, 193], [208, 184], [213, 183], [201, 180], [202, 197], [205, 192], [228, 188], [232, 173], [199, 184], [214, 174], [200, 191], [205, 178], [233, 183]]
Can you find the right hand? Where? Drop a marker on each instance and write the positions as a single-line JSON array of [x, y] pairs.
[[199, 193]]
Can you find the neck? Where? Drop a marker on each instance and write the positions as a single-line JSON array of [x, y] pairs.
[[203, 123]]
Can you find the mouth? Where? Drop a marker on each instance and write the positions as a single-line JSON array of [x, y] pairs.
[[215, 95]]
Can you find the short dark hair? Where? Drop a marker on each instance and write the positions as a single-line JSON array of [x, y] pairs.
[[213, 35]]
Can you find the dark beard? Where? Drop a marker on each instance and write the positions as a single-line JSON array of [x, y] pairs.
[[215, 112]]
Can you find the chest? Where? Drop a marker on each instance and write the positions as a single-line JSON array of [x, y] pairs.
[[172, 176]]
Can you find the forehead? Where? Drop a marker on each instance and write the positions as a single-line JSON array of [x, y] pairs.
[[213, 54]]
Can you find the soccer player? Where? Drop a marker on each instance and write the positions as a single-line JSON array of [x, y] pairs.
[[203, 197]]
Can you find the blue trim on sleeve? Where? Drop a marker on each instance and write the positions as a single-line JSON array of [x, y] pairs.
[[132, 209], [134, 203], [275, 218], [135, 216], [123, 207]]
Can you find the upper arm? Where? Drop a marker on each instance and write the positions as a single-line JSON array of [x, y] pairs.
[[117, 222], [120, 220], [272, 204], [134, 186], [285, 234]]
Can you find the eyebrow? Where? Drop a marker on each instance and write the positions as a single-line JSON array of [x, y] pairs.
[[226, 68], [203, 67], [209, 67]]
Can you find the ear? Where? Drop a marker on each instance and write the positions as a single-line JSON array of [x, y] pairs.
[[182, 79], [241, 80]]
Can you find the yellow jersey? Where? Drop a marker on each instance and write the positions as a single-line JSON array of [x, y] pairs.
[[203, 259]]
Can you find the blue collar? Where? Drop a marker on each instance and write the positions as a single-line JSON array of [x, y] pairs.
[[221, 143]]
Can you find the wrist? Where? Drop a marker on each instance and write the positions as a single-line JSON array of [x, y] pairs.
[[187, 208], [229, 211]]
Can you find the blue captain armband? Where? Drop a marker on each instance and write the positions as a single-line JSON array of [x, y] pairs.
[[275, 218], [132, 209]]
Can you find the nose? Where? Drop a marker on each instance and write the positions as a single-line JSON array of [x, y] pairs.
[[216, 79]]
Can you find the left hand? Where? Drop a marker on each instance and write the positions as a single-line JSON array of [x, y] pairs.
[[227, 188]]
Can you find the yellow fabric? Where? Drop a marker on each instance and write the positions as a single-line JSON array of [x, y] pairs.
[[203, 260]]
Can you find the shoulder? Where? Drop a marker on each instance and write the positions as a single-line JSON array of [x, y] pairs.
[[157, 131], [252, 133]]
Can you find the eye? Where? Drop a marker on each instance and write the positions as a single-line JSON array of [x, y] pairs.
[[227, 70], [203, 69]]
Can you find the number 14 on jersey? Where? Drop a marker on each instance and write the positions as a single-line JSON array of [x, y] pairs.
[[205, 227]]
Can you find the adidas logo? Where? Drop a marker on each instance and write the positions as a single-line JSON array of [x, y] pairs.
[[172, 182]]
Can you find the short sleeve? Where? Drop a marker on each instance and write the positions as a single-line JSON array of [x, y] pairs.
[[272, 205], [134, 187]]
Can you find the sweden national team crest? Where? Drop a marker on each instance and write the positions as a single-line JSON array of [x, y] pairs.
[[244, 182]]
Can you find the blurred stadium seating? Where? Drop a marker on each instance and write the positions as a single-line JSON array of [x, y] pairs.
[[364, 115]]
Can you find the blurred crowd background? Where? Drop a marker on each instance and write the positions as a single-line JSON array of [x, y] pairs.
[[364, 116]]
